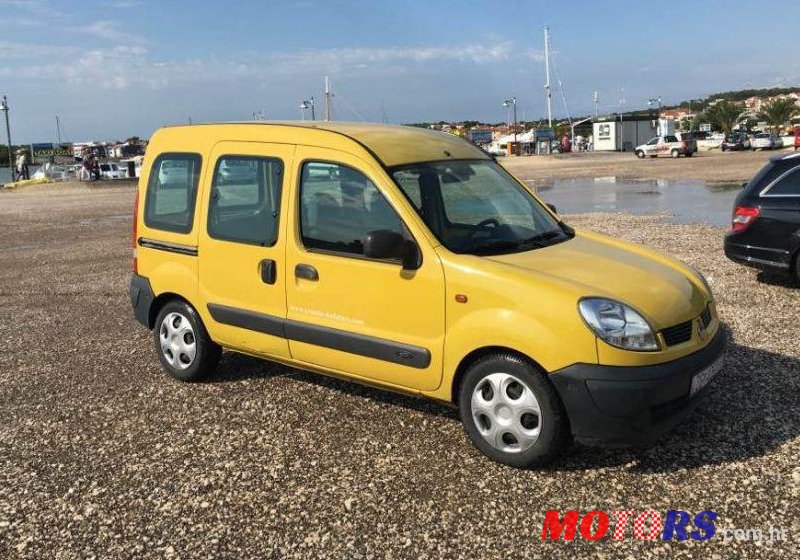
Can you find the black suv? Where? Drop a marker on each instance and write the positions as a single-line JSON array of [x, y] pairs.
[[765, 229]]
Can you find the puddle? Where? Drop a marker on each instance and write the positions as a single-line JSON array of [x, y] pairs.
[[688, 201]]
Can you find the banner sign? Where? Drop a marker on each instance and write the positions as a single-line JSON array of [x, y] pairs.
[[42, 152]]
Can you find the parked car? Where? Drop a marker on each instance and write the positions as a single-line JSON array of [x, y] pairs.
[[666, 146], [112, 171], [419, 266], [766, 219], [735, 141], [766, 141], [173, 172]]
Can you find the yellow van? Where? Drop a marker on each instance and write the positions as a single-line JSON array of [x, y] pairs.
[[410, 260]]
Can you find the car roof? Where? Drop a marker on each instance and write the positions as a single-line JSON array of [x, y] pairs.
[[391, 144], [793, 155]]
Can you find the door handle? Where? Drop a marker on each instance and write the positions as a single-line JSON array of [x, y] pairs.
[[306, 272], [269, 271]]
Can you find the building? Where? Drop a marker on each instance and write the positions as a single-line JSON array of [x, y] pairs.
[[622, 133]]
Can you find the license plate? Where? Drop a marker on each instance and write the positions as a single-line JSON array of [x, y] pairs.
[[702, 378]]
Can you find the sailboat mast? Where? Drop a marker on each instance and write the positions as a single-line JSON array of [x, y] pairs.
[[547, 76]]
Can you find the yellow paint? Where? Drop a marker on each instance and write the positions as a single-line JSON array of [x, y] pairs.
[[526, 302]]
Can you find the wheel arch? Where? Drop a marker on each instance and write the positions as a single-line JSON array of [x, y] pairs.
[[478, 354], [160, 301]]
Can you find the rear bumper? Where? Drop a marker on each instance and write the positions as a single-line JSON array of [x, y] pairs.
[[141, 294], [757, 257], [614, 405]]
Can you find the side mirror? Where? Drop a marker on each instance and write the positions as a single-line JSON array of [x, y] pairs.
[[387, 244], [552, 208]]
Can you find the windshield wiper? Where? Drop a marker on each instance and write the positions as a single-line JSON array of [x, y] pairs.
[[538, 240]]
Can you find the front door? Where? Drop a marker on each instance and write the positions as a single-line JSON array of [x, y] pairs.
[[242, 264], [364, 317]]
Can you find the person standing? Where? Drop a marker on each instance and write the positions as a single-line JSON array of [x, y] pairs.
[[22, 165]]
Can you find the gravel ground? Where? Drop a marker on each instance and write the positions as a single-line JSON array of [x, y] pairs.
[[102, 455]]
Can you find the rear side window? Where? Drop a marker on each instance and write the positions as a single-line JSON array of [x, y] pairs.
[[788, 185], [172, 192], [245, 200], [339, 206]]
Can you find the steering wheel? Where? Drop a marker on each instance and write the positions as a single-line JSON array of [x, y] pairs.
[[494, 222]]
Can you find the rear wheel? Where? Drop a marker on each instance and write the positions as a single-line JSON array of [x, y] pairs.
[[511, 412], [689, 154], [675, 153], [182, 343]]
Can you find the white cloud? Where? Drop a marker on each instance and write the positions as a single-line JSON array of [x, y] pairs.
[[109, 31]]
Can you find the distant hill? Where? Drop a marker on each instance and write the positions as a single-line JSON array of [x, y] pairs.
[[735, 96]]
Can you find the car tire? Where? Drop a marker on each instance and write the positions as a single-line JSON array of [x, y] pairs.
[[640, 154], [675, 153], [723, 148], [512, 412], [182, 343], [689, 154]]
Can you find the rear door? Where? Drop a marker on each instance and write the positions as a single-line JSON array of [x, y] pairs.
[[242, 253], [778, 226]]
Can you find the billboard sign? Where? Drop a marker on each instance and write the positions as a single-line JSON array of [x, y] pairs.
[[43, 151], [480, 136]]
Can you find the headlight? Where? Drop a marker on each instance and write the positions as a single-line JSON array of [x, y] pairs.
[[618, 324]]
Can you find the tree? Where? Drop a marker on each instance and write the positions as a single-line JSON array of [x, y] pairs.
[[134, 140], [779, 112], [724, 115]]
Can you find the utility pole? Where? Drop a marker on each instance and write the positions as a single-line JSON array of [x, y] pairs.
[[547, 75], [313, 114], [58, 129], [5, 107], [327, 99], [596, 101]]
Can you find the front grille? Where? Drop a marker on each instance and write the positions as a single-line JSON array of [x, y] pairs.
[[705, 317], [677, 334]]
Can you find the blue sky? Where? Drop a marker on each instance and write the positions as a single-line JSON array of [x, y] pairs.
[[115, 68]]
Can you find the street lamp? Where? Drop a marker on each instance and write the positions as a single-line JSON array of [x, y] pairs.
[[5, 107], [509, 103], [656, 101], [308, 104]]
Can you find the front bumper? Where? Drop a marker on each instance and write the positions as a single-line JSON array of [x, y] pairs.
[[757, 257], [616, 405]]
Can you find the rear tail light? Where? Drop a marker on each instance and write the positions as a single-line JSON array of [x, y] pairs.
[[743, 217], [135, 231]]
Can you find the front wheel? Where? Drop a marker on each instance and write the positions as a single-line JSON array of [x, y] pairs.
[[675, 153], [182, 343], [511, 412], [640, 154]]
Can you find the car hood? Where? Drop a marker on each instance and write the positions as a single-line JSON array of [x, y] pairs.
[[657, 286]]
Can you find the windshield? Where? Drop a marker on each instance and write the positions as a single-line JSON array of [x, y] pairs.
[[477, 207]]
